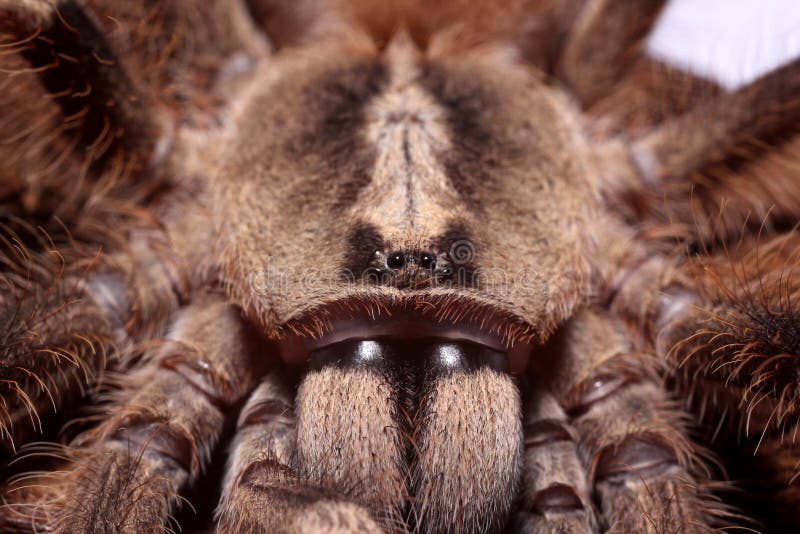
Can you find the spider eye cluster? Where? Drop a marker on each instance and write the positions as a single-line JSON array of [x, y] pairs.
[[399, 259], [406, 264]]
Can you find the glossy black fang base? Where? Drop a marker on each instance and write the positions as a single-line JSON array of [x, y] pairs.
[[437, 356], [419, 373]]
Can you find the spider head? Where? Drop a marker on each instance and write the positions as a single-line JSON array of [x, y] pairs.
[[450, 185]]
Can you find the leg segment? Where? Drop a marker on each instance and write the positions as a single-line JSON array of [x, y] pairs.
[[735, 326], [54, 338], [127, 471], [263, 491], [729, 329], [754, 113], [652, 93], [602, 42], [631, 436], [731, 128], [555, 499], [64, 325], [52, 345], [105, 63], [75, 63], [726, 163]]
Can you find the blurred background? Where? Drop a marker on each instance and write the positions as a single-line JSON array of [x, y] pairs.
[[730, 41]]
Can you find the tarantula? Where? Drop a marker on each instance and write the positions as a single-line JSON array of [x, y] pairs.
[[451, 268]]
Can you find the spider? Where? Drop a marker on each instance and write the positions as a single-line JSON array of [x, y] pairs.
[[386, 268]]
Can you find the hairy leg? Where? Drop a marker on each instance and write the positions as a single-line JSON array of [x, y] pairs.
[[62, 320], [53, 344], [263, 490], [91, 84], [69, 314], [711, 148], [127, 472], [604, 39], [124, 72], [751, 114], [651, 93], [555, 497], [731, 337], [730, 318], [632, 438]]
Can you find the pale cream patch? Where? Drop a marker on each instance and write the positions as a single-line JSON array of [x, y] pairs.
[[410, 192]]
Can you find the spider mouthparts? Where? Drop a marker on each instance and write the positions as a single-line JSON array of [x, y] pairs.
[[460, 342], [439, 355]]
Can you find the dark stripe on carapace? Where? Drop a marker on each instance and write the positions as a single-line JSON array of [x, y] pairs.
[[334, 139], [363, 241], [462, 251], [478, 150]]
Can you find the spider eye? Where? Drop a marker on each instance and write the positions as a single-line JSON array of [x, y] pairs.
[[396, 260], [445, 271], [427, 261]]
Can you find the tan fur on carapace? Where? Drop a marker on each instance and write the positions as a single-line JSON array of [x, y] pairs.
[[195, 194]]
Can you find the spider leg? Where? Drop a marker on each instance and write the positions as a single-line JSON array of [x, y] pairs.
[[263, 490], [555, 496], [729, 328], [753, 113], [601, 42], [65, 45], [61, 322], [632, 437], [729, 317], [727, 163], [53, 342], [127, 472], [101, 72], [652, 93], [67, 320], [728, 128]]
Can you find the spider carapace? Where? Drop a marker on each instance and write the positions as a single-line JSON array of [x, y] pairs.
[[349, 267]]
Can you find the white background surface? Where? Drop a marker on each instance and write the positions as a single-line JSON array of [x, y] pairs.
[[730, 41]]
